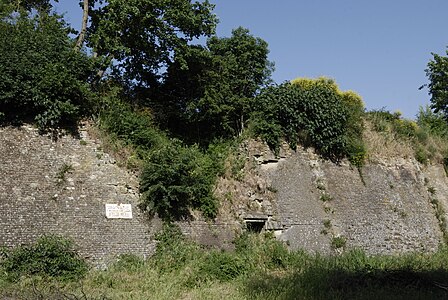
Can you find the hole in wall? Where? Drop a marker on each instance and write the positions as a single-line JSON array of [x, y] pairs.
[[255, 225]]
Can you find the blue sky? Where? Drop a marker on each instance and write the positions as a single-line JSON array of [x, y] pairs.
[[377, 48]]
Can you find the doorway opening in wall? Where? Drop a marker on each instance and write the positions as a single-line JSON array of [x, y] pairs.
[[255, 225]]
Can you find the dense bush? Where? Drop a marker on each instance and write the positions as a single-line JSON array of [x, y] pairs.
[[50, 256], [42, 79], [178, 177], [314, 112], [433, 122], [130, 125]]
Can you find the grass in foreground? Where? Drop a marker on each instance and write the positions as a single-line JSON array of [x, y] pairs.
[[259, 268]]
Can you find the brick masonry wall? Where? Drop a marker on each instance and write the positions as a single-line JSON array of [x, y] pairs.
[[37, 197], [390, 212]]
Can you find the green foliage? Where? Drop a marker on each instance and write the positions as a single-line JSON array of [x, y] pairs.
[[62, 171], [445, 165], [222, 266], [338, 242], [432, 122], [437, 73], [355, 148], [325, 197], [141, 36], [267, 270], [173, 250], [313, 112], [28, 5], [262, 252], [134, 127], [177, 178], [253, 253], [427, 136], [208, 90], [440, 215], [421, 155], [50, 256], [129, 262], [237, 163], [385, 121], [41, 77]]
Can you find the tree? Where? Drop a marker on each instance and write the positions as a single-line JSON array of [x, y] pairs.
[[28, 5], [141, 36], [85, 17], [243, 69], [211, 87], [184, 83], [437, 73], [41, 77]]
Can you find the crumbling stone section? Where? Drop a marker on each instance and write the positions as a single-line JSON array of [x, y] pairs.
[[386, 211], [300, 211], [61, 187], [248, 199]]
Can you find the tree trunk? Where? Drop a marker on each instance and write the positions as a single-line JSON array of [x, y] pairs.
[[85, 17]]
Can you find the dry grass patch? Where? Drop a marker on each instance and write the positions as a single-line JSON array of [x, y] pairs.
[[385, 144]]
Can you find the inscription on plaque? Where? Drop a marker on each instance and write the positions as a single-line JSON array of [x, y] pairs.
[[118, 211]]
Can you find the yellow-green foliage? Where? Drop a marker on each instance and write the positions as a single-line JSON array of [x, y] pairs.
[[352, 100], [349, 97], [354, 108], [309, 83]]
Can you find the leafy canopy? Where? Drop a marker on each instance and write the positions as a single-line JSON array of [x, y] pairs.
[[27, 5], [212, 93], [437, 73], [142, 35], [41, 77]]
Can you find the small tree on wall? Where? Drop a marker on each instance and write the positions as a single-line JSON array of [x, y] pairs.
[[437, 73]]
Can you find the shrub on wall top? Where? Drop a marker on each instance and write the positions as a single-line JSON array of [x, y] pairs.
[[315, 113]]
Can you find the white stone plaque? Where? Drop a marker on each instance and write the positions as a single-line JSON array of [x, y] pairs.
[[119, 211]]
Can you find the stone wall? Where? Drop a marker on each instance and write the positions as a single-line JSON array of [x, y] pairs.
[[384, 209], [61, 187]]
